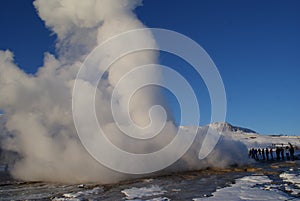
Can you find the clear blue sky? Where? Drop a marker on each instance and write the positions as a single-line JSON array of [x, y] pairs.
[[255, 45]]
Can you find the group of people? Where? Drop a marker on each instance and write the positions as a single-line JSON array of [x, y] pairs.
[[281, 153]]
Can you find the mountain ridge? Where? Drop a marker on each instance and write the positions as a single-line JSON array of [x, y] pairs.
[[227, 127]]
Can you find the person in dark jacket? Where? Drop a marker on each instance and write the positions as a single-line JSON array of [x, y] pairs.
[[292, 151], [277, 153], [255, 154], [250, 153], [259, 153], [271, 154], [263, 154], [287, 153], [282, 153]]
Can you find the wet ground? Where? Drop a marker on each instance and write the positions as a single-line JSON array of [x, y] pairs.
[[181, 186]]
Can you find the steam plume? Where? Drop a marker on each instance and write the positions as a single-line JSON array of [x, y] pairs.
[[38, 107]]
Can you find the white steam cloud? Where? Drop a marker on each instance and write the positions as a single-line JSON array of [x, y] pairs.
[[38, 108]]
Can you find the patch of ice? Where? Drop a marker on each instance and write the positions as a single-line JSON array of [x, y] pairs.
[[84, 193], [65, 199], [246, 189], [291, 178], [143, 192], [153, 199], [76, 196], [158, 199], [293, 191], [148, 180], [270, 187]]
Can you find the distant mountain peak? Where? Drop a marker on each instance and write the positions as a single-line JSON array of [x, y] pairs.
[[227, 127]]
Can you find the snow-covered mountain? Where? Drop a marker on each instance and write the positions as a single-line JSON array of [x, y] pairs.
[[253, 139], [226, 127]]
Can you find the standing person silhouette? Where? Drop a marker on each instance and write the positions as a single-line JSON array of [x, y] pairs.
[[259, 153], [282, 153], [292, 151], [267, 154], [277, 153], [287, 153], [271, 153]]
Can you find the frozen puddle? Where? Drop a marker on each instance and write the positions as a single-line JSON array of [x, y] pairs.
[[144, 193], [248, 188]]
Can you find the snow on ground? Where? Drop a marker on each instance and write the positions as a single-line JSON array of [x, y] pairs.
[[83, 193], [155, 199], [144, 192], [248, 188], [66, 199], [76, 196], [294, 179]]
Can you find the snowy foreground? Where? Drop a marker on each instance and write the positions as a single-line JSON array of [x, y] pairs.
[[250, 188], [246, 188], [256, 186], [279, 181]]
